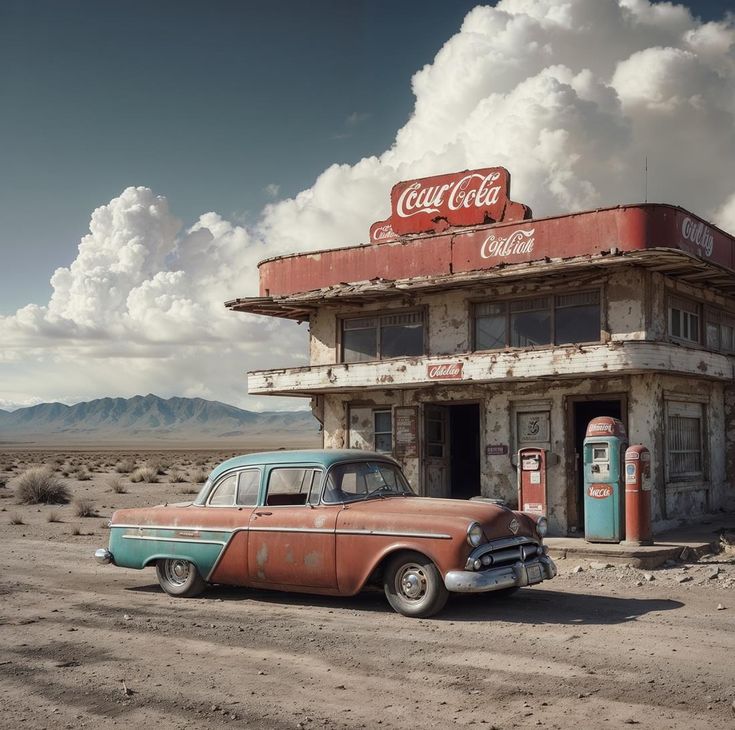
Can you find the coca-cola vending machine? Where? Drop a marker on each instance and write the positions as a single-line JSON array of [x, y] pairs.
[[604, 490]]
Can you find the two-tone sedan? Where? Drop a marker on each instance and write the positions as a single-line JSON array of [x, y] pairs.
[[331, 522]]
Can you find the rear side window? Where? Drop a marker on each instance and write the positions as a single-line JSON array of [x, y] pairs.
[[224, 492]]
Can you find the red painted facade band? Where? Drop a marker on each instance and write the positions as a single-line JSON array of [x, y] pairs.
[[632, 228]]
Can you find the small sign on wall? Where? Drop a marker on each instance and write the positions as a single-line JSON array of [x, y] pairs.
[[406, 432], [533, 427], [496, 449]]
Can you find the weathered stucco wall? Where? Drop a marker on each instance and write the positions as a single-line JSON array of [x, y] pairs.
[[646, 397]]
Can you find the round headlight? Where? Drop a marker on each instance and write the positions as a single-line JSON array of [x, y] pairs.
[[542, 526], [475, 535]]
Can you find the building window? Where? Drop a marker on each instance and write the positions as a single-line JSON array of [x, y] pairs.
[[684, 320], [561, 319], [382, 336], [718, 329], [383, 421], [684, 441]]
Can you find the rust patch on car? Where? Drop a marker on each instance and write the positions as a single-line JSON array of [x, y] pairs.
[[312, 559]]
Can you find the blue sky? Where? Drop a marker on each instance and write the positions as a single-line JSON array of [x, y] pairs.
[[153, 152], [208, 102]]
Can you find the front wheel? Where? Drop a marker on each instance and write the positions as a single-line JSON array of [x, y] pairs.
[[414, 586], [179, 578]]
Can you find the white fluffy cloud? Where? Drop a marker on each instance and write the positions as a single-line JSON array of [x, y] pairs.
[[570, 96]]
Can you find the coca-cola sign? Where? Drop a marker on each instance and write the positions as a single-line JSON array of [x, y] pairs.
[[699, 234], [381, 231], [434, 204], [599, 491], [498, 246], [445, 371]]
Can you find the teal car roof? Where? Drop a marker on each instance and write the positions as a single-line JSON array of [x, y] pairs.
[[318, 457]]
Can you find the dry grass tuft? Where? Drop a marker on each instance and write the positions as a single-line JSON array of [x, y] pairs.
[[199, 476], [41, 486], [16, 519], [125, 466], [53, 516], [76, 531], [115, 484], [84, 508], [176, 476], [144, 474]]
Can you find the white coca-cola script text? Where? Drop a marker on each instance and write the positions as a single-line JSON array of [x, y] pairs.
[[699, 234], [472, 190], [519, 241]]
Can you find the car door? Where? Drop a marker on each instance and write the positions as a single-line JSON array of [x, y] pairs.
[[291, 540], [228, 508]]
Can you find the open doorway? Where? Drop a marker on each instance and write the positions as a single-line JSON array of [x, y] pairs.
[[582, 412], [452, 450]]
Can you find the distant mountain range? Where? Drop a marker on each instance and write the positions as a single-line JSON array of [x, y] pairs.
[[153, 419]]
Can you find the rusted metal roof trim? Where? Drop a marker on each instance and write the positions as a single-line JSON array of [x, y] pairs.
[[671, 261]]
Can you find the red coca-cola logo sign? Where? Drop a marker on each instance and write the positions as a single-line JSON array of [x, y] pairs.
[[433, 204], [599, 491], [445, 371], [381, 231]]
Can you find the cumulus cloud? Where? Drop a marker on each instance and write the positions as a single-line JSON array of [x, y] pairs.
[[571, 97]]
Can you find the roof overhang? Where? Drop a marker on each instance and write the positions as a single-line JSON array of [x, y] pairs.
[[673, 262]]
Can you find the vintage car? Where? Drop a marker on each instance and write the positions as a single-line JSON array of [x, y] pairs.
[[330, 522]]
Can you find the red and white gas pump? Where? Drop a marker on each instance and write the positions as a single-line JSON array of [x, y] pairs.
[[638, 496], [532, 481]]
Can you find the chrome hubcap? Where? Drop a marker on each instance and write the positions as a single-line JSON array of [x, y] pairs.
[[411, 582], [177, 571]]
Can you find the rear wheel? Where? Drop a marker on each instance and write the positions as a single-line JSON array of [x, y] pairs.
[[179, 578], [414, 586]]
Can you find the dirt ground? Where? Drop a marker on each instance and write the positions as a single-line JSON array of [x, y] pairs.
[[84, 645]]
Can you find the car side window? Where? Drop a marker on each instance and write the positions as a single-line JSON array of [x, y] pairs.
[[247, 487], [293, 486], [224, 492]]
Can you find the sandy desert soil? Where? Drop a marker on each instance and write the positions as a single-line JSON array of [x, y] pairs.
[[84, 645]]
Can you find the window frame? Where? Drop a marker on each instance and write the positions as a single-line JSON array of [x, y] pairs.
[[379, 315], [690, 307], [376, 433], [308, 501], [679, 408], [552, 310], [222, 479]]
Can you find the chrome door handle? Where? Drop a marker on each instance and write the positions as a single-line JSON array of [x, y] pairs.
[[261, 514]]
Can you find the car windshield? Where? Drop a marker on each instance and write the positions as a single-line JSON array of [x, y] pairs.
[[364, 479]]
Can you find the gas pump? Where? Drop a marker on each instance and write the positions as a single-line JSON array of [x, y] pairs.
[[638, 496], [532, 481], [603, 453]]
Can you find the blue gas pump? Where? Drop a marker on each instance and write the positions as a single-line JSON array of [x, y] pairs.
[[604, 482]]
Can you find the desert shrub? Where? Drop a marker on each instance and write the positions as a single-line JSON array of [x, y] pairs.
[[84, 508], [76, 531], [198, 476], [114, 484], [144, 474], [53, 516], [159, 465], [176, 476], [16, 519], [3, 482], [188, 490], [125, 466], [82, 474], [41, 486]]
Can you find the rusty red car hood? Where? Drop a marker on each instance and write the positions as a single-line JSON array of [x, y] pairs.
[[494, 518]]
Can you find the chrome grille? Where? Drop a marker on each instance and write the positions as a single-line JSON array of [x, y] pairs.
[[505, 552]]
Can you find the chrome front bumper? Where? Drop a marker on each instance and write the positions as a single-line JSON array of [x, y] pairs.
[[494, 579], [103, 556]]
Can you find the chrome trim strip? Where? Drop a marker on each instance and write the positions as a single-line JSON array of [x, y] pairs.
[[174, 539], [390, 533], [292, 529], [173, 527]]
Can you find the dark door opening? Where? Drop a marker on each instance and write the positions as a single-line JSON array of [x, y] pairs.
[[464, 450], [584, 412], [452, 450]]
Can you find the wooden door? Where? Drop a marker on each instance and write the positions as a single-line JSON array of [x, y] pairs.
[[436, 451]]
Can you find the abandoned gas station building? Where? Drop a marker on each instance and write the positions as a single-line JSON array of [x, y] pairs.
[[465, 330]]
